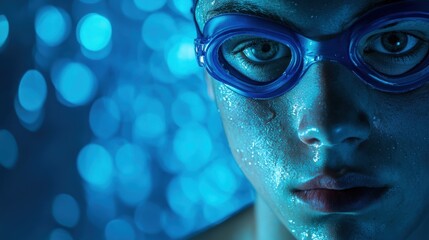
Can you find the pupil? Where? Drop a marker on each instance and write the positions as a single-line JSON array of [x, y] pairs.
[[395, 41], [266, 48], [264, 51]]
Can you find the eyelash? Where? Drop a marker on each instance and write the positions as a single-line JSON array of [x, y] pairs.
[[397, 58]]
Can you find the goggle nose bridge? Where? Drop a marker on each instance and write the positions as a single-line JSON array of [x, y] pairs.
[[315, 51]]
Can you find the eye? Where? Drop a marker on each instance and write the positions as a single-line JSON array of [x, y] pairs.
[[264, 51], [393, 43], [257, 59], [396, 52]]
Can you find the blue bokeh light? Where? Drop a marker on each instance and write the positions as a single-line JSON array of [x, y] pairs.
[[75, 83], [32, 91], [104, 118], [119, 229], [130, 160], [193, 146], [49, 18], [65, 210], [94, 32], [188, 107], [150, 122], [149, 5], [124, 96], [95, 165], [149, 126], [60, 234], [217, 184], [180, 57], [4, 29], [157, 30], [147, 217], [178, 200], [183, 7], [175, 225], [134, 189], [31, 120], [8, 149]]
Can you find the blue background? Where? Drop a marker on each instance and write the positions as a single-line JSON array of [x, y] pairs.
[[106, 129]]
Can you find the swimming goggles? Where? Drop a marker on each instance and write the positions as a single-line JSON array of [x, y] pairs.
[[387, 48]]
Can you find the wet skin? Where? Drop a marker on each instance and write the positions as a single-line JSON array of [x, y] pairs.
[[330, 124]]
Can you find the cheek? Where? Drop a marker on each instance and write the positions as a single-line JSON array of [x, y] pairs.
[[400, 134], [260, 139]]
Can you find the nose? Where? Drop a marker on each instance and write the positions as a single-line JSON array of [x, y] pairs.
[[335, 115]]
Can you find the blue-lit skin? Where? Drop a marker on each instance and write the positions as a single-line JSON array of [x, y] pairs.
[[330, 123]]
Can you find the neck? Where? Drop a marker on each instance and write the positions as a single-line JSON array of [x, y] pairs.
[[268, 226]]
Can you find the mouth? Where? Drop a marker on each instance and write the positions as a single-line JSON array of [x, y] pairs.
[[349, 193], [346, 200]]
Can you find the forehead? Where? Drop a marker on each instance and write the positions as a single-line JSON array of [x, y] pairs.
[[310, 17]]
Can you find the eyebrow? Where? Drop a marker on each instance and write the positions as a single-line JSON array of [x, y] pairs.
[[246, 8]]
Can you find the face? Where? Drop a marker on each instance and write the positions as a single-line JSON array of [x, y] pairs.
[[332, 125]]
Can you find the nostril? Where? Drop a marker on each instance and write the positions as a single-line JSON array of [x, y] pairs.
[[312, 141]]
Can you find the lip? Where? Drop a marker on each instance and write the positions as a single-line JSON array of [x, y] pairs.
[[349, 193]]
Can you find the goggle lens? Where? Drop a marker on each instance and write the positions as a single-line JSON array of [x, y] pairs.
[[396, 49], [258, 59]]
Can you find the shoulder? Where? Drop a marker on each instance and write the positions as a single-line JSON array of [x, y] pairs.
[[240, 226]]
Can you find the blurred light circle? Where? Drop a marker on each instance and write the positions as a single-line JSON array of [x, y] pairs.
[[167, 158], [94, 32], [75, 83], [178, 200], [119, 229], [183, 7], [189, 186], [32, 91], [52, 25], [144, 103], [150, 5], [130, 160], [159, 69], [147, 217], [217, 213], [65, 210], [4, 29], [97, 55], [177, 227], [150, 122], [188, 107], [157, 29], [217, 184], [181, 57], [95, 165], [104, 118], [193, 146], [31, 120], [8, 149], [25, 116], [124, 96], [60, 234], [134, 189], [149, 126]]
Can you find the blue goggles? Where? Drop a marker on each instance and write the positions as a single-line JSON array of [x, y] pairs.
[[387, 48]]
